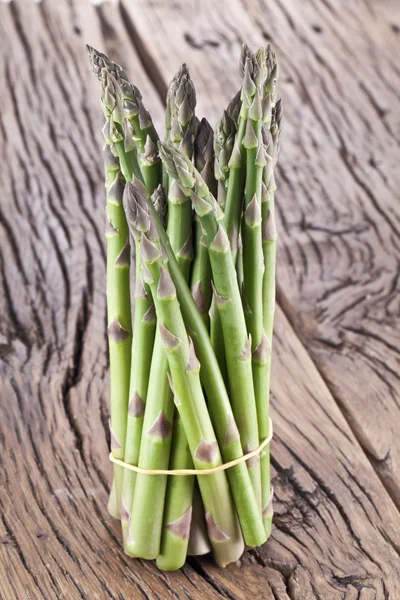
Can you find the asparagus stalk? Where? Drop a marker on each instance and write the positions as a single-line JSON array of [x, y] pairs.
[[142, 350], [178, 504], [227, 295], [217, 339], [269, 235], [118, 374], [237, 162], [129, 116], [118, 261], [180, 124], [155, 427], [223, 527], [119, 319], [201, 271], [224, 140]]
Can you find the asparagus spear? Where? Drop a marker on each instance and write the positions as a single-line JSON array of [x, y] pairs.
[[269, 235], [223, 527], [142, 350], [118, 300], [151, 428], [227, 295], [178, 504], [180, 124], [119, 319], [223, 145], [237, 165], [129, 113], [201, 271], [224, 140]]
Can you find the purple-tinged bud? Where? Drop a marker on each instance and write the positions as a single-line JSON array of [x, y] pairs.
[[116, 333], [215, 533], [123, 259], [206, 452], [149, 251], [161, 427], [166, 287], [181, 527], [220, 242], [136, 406], [246, 352], [193, 363], [169, 340]]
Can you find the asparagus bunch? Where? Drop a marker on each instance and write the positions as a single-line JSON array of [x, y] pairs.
[[190, 387]]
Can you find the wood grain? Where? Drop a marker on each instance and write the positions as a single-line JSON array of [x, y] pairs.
[[337, 531], [338, 209]]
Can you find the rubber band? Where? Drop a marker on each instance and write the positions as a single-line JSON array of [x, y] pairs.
[[186, 472]]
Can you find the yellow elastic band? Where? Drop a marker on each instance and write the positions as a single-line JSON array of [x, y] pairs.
[[178, 472]]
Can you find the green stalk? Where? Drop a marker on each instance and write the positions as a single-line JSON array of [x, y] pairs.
[[253, 264], [223, 527], [119, 324], [200, 282], [237, 162], [180, 123], [178, 504], [145, 528], [217, 339], [118, 262], [237, 349], [269, 236], [151, 408], [142, 350]]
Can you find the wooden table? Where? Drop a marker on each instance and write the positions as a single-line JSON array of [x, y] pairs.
[[335, 397]]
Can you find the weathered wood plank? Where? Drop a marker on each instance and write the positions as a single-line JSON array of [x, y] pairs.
[[339, 249], [337, 532]]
